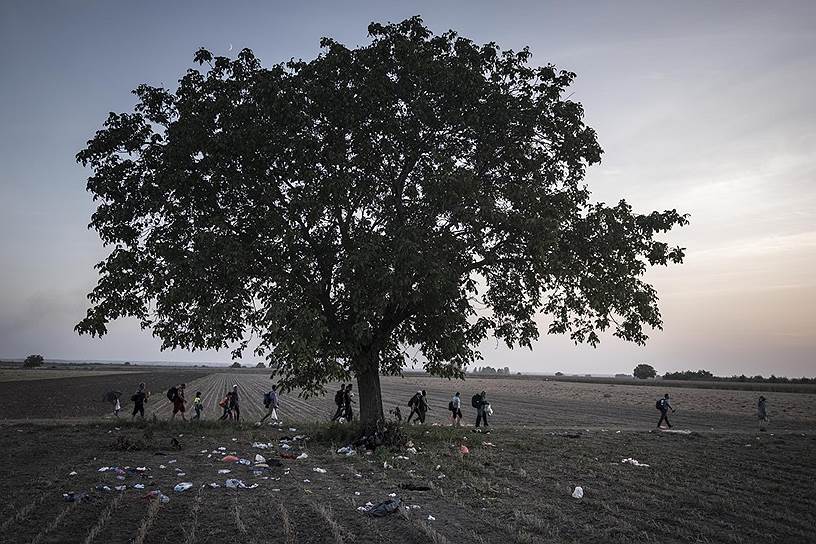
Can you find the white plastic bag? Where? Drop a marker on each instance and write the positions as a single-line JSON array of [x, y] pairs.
[[578, 493]]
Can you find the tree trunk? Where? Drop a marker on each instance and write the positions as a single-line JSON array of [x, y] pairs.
[[368, 384]]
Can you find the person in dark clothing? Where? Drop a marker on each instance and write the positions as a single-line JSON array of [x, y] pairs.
[[455, 407], [139, 399], [664, 406], [481, 411], [348, 400], [762, 413], [339, 401], [178, 403], [235, 407], [226, 404], [413, 404], [422, 407]]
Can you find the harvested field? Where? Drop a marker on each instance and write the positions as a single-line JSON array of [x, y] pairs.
[[529, 402], [513, 486]]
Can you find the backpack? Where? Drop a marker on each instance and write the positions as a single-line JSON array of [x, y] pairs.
[[133, 398], [223, 402], [476, 400], [338, 398], [172, 393], [413, 401], [267, 400], [450, 406], [659, 404]]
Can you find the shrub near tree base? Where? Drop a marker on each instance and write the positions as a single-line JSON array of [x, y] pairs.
[[342, 209]]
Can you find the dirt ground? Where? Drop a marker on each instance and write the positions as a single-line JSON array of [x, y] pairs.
[[514, 485]]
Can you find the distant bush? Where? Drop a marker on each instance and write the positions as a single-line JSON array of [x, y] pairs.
[[236, 364], [33, 361], [559, 373], [260, 365]]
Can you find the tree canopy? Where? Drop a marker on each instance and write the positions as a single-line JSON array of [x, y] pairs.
[[644, 371], [396, 202]]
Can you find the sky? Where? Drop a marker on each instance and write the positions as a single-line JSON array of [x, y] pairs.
[[706, 107]]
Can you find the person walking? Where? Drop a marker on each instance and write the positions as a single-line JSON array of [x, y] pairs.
[[480, 403], [762, 413], [348, 400], [339, 401], [664, 405], [271, 403], [198, 406], [139, 399], [413, 404], [226, 404], [235, 407], [455, 407], [422, 407], [178, 401]]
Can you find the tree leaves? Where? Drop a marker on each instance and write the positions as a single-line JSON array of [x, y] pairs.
[[357, 209]]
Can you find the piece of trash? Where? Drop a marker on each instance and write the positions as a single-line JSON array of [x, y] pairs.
[[319, 470], [103, 488], [222, 448], [431, 518], [285, 446], [138, 486], [171, 461], [233, 483], [635, 462], [401, 457], [156, 494], [261, 445], [214, 485], [292, 430], [72, 473], [578, 493], [463, 449], [392, 494], [235, 440], [411, 450], [386, 465], [302, 456], [260, 459], [438, 467], [489, 444], [224, 471], [162, 466], [307, 481], [357, 493], [183, 486], [76, 497], [245, 461], [384, 508], [415, 506], [230, 459], [104, 469], [181, 474], [120, 487], [346, 450]]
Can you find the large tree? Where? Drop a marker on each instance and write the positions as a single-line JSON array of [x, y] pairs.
[[397, 202]]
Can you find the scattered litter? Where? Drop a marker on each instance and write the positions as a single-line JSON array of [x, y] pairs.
[[412, 450], [386, 465], [120, 487], [224, 471], [138, 486], [222, 448], [431, 518], [162, 466], [103, 488], [438, 467], [214, 485], [401, 457], [171, 461], [230, 459], [141, 469], [346, 450], [262, 445], [183, 486], [76, 497], [415, 506], [235, 440], [307, 481], [392, 494], [319, 470], [463, 449], [156, 494], [105, 469], [382, 509], [357, 493], [245, 461], [292, 430], [181, 474], [634, 462], [236, 484], [260, 459], [489, 444], [578, 493], [72, 473], [302, 456]]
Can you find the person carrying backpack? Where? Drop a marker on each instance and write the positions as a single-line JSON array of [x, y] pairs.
[[480, 403], [762, 413], [176, 396], [226, 403], [455, 407], [664, 406], [271, 404], [339, 401], [413, 404], [139, 399]]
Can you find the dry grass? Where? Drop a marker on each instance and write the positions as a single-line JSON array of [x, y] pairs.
[[192, 526], [336, 529], [22, 513], [54, 523], [288, 532], [147, 521], [434, 536], [103, 519]]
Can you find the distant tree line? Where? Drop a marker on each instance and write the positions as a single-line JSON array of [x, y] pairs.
[[491, 370], [705, 375]]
